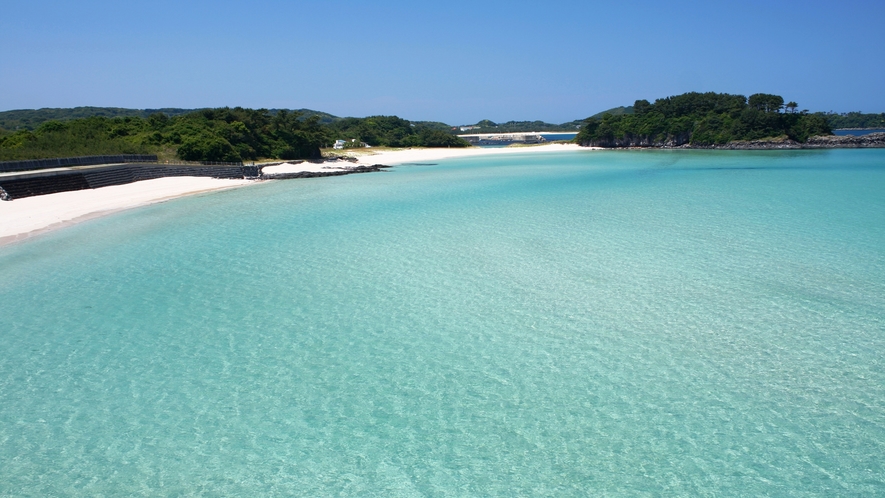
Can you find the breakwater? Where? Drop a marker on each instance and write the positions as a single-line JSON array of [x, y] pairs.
[[49, 176]]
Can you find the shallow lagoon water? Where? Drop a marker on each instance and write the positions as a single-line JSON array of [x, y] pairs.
[[624, 323]]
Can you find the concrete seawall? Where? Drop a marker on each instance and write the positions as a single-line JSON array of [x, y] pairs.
[[70, 162], [49, 181]]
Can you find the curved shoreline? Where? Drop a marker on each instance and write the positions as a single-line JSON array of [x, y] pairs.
[[22, 219], [396, 157], [25, 218]]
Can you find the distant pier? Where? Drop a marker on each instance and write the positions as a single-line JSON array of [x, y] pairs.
[[533, 137]]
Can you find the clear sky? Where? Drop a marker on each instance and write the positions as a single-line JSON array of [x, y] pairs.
[[456, 62]]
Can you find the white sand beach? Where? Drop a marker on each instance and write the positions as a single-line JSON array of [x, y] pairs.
[[403, 156], [23, 218], [306, 167], [29, 216], [393, 157]]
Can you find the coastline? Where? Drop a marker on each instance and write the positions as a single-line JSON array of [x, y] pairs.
[[872, 140], [396, 157], [24, 218]]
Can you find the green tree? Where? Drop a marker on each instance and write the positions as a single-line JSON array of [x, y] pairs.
[[208, 148], [766, 102], [641, 107]]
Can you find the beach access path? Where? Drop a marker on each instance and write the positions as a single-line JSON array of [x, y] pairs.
[[24, 218]]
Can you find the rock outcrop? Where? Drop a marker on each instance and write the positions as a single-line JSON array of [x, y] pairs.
[[331, 171], [631, 140], [819, 142], [850, 141]]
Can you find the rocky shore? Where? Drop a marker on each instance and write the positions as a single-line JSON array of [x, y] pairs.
[[332, 171], [820, 142], [833, 141], [330, 166], [871, 140]]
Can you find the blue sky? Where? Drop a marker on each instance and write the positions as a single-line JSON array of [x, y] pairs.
[[456, 62]]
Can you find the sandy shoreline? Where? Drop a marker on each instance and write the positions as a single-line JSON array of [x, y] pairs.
[[24, 218], [30, 216], [404, 156], [393, 157]]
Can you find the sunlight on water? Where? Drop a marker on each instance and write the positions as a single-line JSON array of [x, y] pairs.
[[676, 323]]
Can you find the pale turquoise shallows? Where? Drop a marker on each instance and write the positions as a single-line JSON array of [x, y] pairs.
[[676, 323]]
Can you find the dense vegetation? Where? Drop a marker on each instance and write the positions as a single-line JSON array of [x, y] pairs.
[[30, 119], [208, 135], [856, 120], [81, 137], [391, 131], [703, 119], [222, 134]]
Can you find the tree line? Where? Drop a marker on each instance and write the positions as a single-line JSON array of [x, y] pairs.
[[488, 126], [32, 118], [703, 119], [223, 134], [856, 120], [392, 131]]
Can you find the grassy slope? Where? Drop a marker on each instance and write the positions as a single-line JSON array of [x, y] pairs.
[[615, 111]]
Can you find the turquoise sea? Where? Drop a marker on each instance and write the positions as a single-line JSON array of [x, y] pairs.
[[637, 323]]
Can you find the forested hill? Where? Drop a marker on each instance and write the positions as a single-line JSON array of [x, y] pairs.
[[222, 134], [393, 131], [30, 119], [856, 120], [703, 119], [616, 111]]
